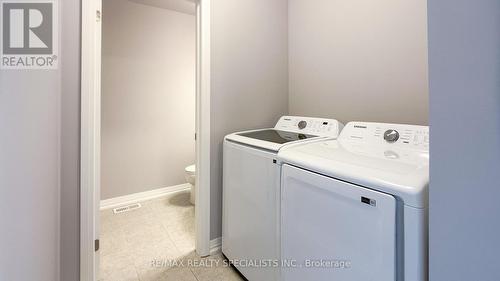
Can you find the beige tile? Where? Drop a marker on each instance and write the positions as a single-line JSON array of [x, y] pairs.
[[214, 268], [169, 274], [160, 231], [118, 267], [183, 235], [164, 253], [126, 274], [116, 261], [112, 242], [218, 274], [142, 216], [185, 243], [180, 222], [172, 217], [106, 221], [147, 233]]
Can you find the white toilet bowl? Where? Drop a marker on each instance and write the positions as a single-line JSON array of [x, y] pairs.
[[191, 179]]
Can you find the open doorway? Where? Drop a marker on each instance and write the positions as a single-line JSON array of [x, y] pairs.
[[145, 95], [148, 89]]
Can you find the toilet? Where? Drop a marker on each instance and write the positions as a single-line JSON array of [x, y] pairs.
[[191, 179]]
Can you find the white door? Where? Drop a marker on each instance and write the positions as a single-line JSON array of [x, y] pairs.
[[335, 230]]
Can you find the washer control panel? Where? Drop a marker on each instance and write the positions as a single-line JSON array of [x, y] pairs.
[[310, 126], [410, 136]]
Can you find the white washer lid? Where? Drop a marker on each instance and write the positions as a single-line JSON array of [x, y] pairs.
[[241, 137], [400, 168], [291, 130]]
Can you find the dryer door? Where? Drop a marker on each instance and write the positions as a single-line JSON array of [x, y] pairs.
[[335, 230]]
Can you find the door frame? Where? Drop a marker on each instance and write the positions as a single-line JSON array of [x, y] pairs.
[[91, 131]]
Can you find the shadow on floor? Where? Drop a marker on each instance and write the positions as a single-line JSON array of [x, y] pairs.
[[180, 199]]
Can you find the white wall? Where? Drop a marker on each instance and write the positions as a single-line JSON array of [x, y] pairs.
[[249, 76], [359, 60], [148, 97], [464, 59]]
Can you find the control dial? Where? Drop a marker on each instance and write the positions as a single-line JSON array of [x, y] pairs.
[[302, 124], [391, 135]]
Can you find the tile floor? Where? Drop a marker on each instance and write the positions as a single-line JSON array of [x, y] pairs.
[[156, 243]]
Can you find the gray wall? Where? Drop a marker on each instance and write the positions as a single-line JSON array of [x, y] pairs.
[[359, 60], [29, 174], [39, 144], [148, 97], [464, 55], [249, 76], [70, 142]]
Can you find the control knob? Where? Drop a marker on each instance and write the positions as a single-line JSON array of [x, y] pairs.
[[391, 135], [302, 124]]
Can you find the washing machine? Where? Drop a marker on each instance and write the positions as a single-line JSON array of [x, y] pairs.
[[251, 191], [356, 208]]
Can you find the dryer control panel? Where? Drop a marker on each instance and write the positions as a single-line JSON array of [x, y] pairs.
[[310, 126], [408, 136]]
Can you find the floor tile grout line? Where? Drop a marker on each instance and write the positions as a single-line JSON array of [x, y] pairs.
[[194, 274]]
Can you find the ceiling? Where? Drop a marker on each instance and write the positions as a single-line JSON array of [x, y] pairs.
[[183, 6]]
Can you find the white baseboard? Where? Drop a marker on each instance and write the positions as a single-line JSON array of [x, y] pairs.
[[215, 246], [142, 196]]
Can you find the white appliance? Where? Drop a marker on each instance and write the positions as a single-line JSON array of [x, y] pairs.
[[356, 208], [251, 192]]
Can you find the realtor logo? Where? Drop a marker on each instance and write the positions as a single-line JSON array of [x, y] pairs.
[[29, 35]]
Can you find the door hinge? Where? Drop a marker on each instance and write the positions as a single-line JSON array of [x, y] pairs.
[[96, 245], [98, 15]]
